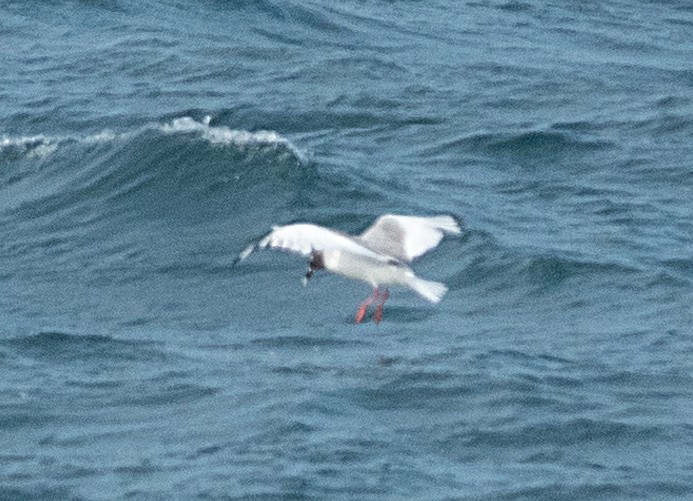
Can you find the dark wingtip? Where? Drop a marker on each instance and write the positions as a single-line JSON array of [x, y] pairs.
[[244, 254], [459, 220]]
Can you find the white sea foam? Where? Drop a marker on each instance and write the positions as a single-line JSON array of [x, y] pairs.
[[102, 137], [41, 146], [222, 135]]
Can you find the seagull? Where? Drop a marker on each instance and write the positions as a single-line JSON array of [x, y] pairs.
[[378, 256]]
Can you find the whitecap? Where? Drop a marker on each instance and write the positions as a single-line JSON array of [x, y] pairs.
[[38, 146], [225, 136], [41, 146]]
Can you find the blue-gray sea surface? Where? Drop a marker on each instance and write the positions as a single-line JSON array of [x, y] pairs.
[[144, 144]]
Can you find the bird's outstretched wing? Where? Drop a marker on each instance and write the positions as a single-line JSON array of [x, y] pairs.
[[305, 239], [407, 237]]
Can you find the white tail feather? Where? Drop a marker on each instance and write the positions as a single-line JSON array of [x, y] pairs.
[[433, 291]]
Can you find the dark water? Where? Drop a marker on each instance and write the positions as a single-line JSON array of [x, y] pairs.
[[144, 144]]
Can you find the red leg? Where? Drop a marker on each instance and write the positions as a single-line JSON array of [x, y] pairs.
[[379, 309], [364, 306]]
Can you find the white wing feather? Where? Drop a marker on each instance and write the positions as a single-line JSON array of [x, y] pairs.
[[304, 239], [407, 237]]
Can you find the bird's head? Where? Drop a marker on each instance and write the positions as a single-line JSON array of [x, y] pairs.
[[314, 263]]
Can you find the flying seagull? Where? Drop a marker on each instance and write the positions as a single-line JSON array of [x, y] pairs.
[[378, 256]]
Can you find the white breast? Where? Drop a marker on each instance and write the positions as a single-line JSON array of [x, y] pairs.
[[376, 272]]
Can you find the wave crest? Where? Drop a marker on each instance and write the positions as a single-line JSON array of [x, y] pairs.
[[225, 136], [42, 146]]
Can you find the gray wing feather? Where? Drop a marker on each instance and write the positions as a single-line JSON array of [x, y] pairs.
[[407, 237]]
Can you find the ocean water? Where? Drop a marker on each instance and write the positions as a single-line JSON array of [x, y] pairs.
[[144, 144]]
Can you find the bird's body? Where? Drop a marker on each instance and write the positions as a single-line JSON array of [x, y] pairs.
[[378, 256], [372, 270]]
